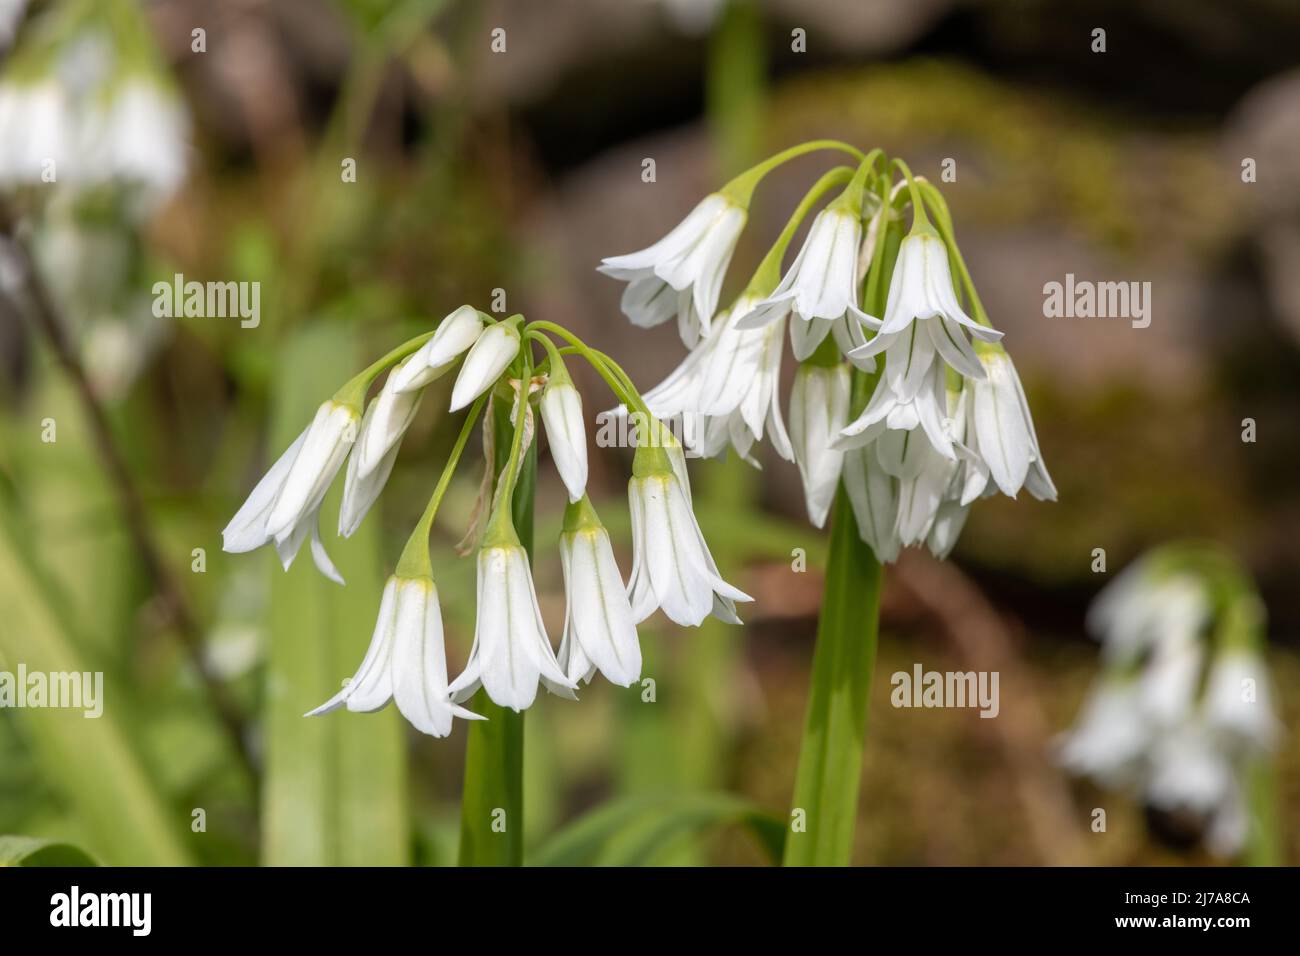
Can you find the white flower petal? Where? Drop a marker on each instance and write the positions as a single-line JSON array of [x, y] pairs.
[[566, 430], [455, 335], [247, 529], [873, 493], [1004, 439], [328, 440], [371, 687], [819, 405], [488, 358]]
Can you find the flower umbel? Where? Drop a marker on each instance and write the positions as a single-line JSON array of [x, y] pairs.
[[877, 426], [943, 421], [1182, 712], [511, 652]]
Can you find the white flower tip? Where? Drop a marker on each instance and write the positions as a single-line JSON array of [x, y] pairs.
[[333, 704], [725, 611], [863, 363], [465, 714], [870, 321], [735, 594], [562, 691], [763, 314], [230, 541], [620, 679]]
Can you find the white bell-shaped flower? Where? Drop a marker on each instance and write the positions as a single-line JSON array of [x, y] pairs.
[[511, 651], [455, 335], [821, 287], [285, 505], [671, 564], [566, 430], [1000, 433], [819, 409], [873, 493], [405, 663], [727, 389], [1109, 739], [690, 261], [599, 630], [490, 355], [1239, 700]]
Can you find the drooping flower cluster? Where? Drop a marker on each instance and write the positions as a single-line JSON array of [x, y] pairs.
[[406, 662], [903, 390], [85, 102], [93, 139], [1182, 710]]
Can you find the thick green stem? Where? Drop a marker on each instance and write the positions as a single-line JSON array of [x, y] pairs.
[[1264, 843], [824, 810], [735, 84], [492, 801]]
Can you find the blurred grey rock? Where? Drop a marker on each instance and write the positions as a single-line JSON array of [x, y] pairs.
[[879, 26], [1266, 128]]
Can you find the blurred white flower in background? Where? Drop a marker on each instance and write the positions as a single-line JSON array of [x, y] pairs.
[[692, 17], [139, 138], [1182, 714], [11, 13], [93, 140], [85, 103], [1227, 713], [36, 126], [1109, 737]]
